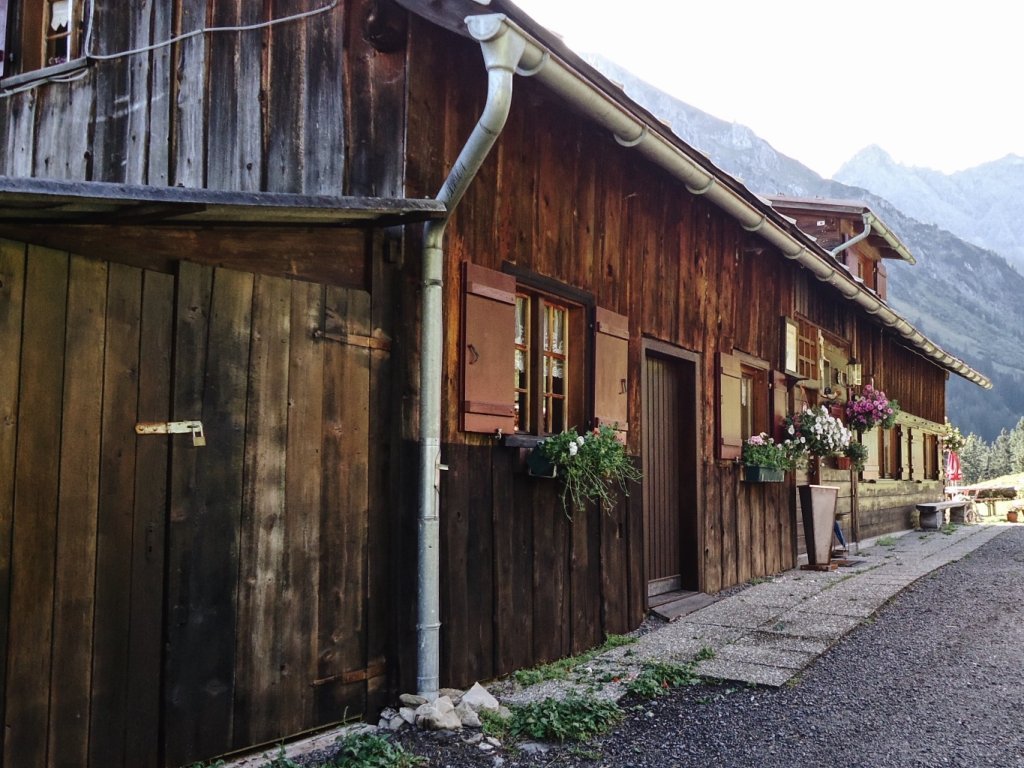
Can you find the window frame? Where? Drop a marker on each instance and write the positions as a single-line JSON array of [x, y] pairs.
[[734, 428], [25, 39]]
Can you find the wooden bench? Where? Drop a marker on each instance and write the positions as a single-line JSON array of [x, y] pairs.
[[930, 512]]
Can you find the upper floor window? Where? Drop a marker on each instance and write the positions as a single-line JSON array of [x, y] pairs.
[[40, 33]]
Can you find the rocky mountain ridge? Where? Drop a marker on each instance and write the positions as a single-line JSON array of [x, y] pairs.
[[965, 298]]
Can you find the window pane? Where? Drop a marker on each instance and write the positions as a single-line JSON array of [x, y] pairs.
[[522, 364]]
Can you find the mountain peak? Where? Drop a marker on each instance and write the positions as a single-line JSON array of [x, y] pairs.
[[871, 155]]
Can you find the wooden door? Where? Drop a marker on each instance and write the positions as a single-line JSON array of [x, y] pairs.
[[163, 602], [669, 484], [85, 347]]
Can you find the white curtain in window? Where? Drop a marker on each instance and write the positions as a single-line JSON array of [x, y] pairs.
[[60, 14]]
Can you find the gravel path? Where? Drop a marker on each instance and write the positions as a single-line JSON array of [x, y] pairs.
[[935, 678]]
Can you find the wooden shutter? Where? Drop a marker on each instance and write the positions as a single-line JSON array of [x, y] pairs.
[[611, 370], [881, 281], [729, 416], [779, 404], [488, 350]]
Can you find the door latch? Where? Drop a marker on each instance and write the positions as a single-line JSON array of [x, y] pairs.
[[195, 428]]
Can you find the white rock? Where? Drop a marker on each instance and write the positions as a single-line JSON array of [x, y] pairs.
[[396, 723], [452, 693], [408, 714], [492, 741], [485, 747], [475, 738], [412, 700], [438, 715], [468, 715], [478, 699]]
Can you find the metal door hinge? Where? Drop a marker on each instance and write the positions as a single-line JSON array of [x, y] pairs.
[[195, 428]]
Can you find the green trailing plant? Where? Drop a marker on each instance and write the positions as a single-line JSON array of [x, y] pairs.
[[574, 718], [656, 677], [372, 750], [857, 453], [593, 467]]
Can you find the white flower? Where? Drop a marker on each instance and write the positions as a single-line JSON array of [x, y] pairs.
[[573, 449], [580, 441]]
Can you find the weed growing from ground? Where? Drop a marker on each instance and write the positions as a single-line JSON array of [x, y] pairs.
[[656, 677], [371, 750], [561, 669], [574, 718], [948, 529], [886, 541], [705, 654]]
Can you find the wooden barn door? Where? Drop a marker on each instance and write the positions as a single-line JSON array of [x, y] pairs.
[[86, 347], [163, 602], [669, 461]]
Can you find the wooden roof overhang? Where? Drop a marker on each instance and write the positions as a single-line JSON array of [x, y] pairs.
[[882, 237], [607, 104], [319, 237]]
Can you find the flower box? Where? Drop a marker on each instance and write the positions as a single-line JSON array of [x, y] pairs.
[[539, 465], [755, 474]]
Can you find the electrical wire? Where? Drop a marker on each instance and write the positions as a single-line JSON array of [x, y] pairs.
[[92, 56]]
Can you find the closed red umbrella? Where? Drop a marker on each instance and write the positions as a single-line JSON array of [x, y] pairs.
[[953, 473]]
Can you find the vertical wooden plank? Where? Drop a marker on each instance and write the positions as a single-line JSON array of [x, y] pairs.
[[324, 124], [286, 95], [479, 569], [71, 677], [18, 123], [586, 624], [454, 552], [161, 98], [139, 35], [343, 522], [205, 512], [374, 126], [59, 153], [550, 558], [114, 525], [188, 157], [260, 662], [513, 574], [12, 296], [112, 89], [234, 152], [146, 619], [35, 509], [748, 537], [384, 412], [299, 605]]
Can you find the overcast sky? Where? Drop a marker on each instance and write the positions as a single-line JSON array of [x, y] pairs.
[[935, 84]]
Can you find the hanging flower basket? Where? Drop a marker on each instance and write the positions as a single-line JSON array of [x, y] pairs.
[[870, 409], [755, 474]]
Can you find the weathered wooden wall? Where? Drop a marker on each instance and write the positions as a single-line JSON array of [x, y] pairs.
[[560, 199], [305, 106], [244, 582]]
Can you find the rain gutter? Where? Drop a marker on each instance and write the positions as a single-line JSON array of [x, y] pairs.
[[631, 130]]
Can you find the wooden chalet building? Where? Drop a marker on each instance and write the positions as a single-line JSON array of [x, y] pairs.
[[237, 364]]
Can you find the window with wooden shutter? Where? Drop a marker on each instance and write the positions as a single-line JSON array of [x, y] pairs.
[[611, 370], [730, 418], [488, 344]]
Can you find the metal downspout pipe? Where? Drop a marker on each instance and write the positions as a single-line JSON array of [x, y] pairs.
[[868, 221], [502, 50]]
